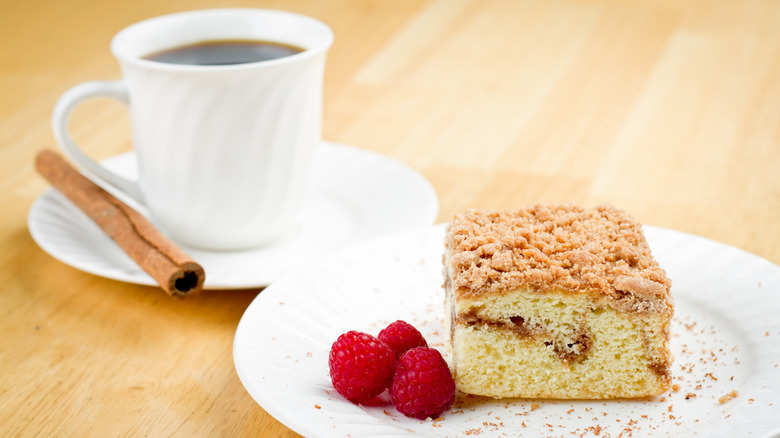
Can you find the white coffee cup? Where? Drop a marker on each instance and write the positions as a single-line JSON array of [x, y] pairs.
[[224, 152]]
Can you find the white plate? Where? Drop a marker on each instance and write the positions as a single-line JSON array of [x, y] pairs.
[[726, 327], [358, 194]]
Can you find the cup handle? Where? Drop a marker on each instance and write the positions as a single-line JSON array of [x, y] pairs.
[[62, 111]]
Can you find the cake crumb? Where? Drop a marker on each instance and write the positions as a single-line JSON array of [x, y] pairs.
[[731, 395], [690, 395], [595, 429]]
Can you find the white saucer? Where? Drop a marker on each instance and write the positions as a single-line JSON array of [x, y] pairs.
[[357, 194]]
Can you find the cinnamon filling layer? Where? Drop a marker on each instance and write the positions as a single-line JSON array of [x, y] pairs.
[[572, 350], [575, 349], [660, 368]]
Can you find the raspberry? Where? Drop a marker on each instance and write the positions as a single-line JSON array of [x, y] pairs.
[[361, 366], [423, 385], [402, 337]]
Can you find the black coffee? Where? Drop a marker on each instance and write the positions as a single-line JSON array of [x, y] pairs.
[[224, 52]]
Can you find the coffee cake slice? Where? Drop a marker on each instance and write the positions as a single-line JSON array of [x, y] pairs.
[[556, 302]]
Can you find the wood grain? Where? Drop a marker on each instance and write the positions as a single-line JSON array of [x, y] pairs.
[[669, 110]]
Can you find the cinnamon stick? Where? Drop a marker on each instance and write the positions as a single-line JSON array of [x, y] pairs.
[[168, 265]]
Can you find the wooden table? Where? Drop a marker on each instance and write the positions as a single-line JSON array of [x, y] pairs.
[[669, 110]]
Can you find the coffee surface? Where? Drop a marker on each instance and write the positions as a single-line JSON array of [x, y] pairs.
[[224, 52]]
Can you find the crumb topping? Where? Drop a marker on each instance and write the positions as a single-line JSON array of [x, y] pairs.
[[560, 247], [728, 397]]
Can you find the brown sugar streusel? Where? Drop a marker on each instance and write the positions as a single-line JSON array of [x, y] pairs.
[[567, 248]]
